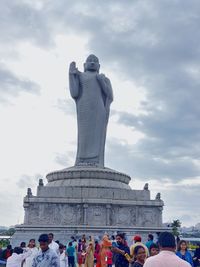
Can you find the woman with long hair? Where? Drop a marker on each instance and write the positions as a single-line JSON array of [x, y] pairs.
[[183, 253], [89, 257], [34, 251], [105, 246], [140, 256]]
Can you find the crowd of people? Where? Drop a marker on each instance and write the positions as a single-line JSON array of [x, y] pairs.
[[108, 252]]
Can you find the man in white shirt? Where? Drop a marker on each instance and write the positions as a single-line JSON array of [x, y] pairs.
[[16, 259], [52, 244], [46, 256], [167, 256], [63, 256]]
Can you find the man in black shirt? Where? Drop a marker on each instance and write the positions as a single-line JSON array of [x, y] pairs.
[[121, 250]]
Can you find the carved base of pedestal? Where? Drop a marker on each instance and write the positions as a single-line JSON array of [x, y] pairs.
[[91, 201], [73, 211]]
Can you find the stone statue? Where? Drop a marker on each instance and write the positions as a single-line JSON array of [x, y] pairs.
[[93, 95], [29, 192], [158, 196], [146, 186]]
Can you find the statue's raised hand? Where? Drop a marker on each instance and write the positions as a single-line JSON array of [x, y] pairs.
[[72, 68]]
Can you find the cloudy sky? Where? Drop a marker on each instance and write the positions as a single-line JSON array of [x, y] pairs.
[[149, 50]]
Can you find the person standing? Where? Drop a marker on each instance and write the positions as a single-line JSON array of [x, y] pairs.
[[121, 251], [114, 244], [17, 257], [97, 248], [52, 244], [46, 256], [140, 256], [70, 254], [150, 241], [167, 256], [23, 245], [7, 252], [81, 253], [2, 261], [196, 257], [137, 242], [89, 257], [153, 250], [109, 256], [75, 245], [63, 256], [104, 247], [34, 251], [183, 253]]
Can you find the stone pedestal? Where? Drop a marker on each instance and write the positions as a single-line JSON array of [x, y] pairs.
[[89, 201]]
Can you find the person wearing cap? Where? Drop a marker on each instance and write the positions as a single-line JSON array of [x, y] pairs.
[[47, 257], [167, 256], [137, 242]]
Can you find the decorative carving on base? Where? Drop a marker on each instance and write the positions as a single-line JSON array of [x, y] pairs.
[[92, 214]]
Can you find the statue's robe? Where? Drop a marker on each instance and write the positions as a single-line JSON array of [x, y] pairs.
[[92, 117]]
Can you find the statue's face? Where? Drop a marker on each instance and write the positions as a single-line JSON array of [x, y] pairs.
[[92, 64]]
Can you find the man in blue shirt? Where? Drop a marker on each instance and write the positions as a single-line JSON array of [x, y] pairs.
[[150, 241], [46, 257], [70, 254], [122, 250]]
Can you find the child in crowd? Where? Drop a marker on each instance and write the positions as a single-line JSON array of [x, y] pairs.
[[109, 256], [63, 256], [153, 249]]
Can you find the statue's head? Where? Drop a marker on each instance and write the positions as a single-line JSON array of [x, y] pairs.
[[92, 63]]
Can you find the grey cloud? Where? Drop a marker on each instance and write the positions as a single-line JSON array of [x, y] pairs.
[[39, 22], [181, 202], [10, 204], [26, 181], [65, 160], [142, 29], [11, 85], [145, 165], [67, 106], [21, 21], [170, 134]]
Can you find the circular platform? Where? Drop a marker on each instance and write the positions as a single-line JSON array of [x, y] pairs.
[[89, 177]]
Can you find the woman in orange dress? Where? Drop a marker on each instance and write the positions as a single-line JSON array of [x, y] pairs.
[[105, 245]]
